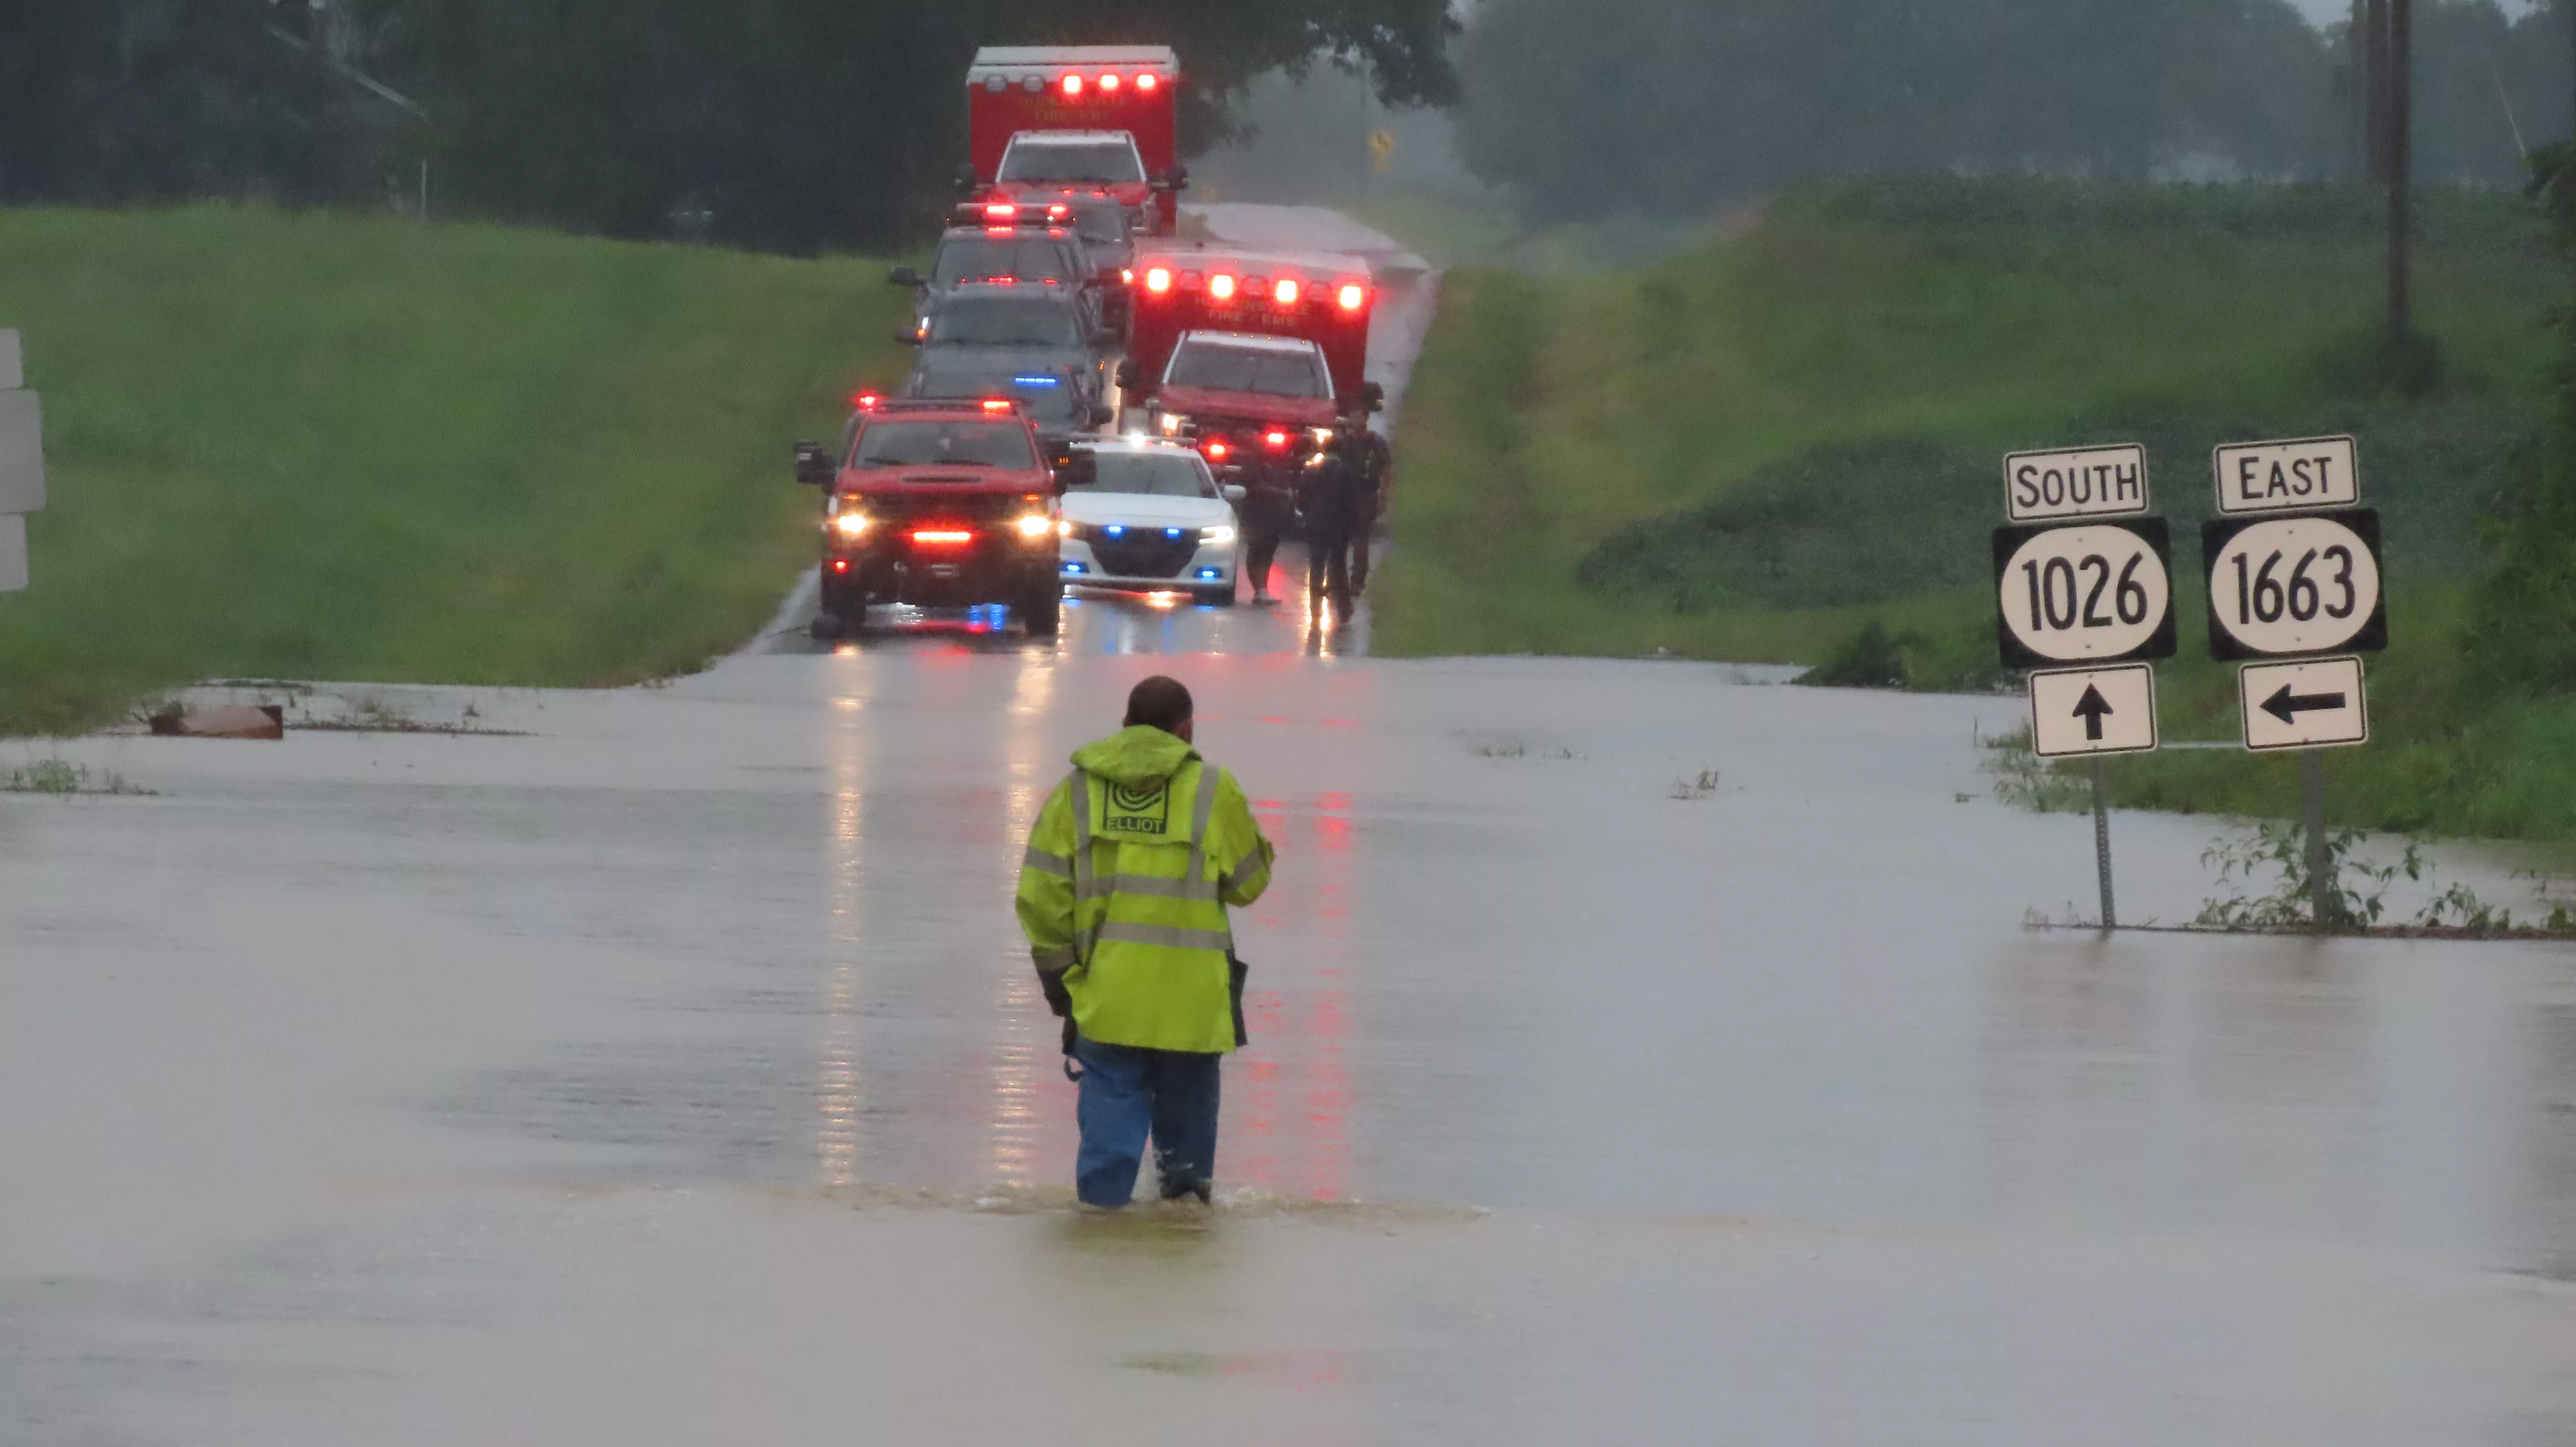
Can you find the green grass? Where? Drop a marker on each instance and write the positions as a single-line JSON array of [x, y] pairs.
[[322, 446], [1755, 449]]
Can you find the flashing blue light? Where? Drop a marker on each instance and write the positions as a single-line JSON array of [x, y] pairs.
[[1077, 568], [1036, 382], [1115, 530], [1171, 532], [1210, 573]]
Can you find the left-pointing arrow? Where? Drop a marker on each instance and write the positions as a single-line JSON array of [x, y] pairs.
[[2287, 706], [2093, 708]]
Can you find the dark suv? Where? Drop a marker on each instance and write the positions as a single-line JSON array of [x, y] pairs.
[[937, 504], [1047, 257]]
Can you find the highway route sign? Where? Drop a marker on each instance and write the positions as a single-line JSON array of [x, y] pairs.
[[2308, 475], [2282, 587], [2077, 712], [2089, 593], [22, 453], [2313, 704], [2085, 482]]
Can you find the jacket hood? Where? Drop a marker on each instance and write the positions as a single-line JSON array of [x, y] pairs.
[[1138, 756]]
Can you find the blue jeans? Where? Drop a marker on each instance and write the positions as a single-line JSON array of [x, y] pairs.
[[1128, 1094]]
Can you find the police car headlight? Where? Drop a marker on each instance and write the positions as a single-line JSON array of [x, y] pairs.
[[851, 524], [1036, 525], [1216, 537]]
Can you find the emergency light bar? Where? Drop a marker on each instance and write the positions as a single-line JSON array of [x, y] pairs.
[[1036, 382], [942, 537]]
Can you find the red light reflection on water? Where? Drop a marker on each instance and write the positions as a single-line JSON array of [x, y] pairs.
[[1295, 1129]]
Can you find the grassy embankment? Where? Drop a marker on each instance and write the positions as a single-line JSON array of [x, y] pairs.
[[316, 446], [1758, 448]]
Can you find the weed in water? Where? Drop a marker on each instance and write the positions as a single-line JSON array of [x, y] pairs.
[[61, 776], [2025, 779], [2357, 897], [1690, 790]]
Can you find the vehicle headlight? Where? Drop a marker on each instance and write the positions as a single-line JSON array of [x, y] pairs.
[[1036, 525], [851, 524], [1217, 536], [1064, 529], [1173, 422]]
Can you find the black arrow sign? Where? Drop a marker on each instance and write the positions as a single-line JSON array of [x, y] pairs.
[[2287, 706], [2093, 708]]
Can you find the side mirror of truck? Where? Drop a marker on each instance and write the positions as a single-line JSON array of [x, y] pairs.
[[813, 465], [967, 180], [1129, 375], [908, 337], [1102, 414], [1175, 179], [904, 276]]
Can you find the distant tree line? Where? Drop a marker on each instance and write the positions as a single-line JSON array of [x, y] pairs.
[[794, 125], [1680, 106]]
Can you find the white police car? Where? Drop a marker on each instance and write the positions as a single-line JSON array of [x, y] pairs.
[[1144, 515]]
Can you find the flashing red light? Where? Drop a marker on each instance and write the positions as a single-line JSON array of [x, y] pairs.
[[1275, 440], [1217, 451], [1057, 210], [840, 565], [1286, 292], [1158, 279], [942, 537], [1354, 296], [997, 404], [997, 231], [865, 401], [1073, 85], [1109, 82], [1001, 211], [1146, 83], [1221, 286]]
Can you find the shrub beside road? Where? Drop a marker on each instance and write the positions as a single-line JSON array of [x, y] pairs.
[[319, 446], [1759, 448]]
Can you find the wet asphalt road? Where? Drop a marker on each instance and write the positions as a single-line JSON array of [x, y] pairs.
[[662, 1066]]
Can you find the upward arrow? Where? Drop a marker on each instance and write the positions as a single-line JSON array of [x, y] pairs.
[[2093, 708]]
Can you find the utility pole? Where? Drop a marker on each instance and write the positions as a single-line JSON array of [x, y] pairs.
[[2370, 48], [2400, 120]]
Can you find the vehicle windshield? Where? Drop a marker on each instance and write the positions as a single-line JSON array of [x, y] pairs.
[[1047, 400], [1005, 321], [1101, 225], [945, 444], [1222, 367], [1037, 163], [1157, 474], [1028, 258]]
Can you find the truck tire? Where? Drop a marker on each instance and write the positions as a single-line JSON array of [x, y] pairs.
[[1044, 614]]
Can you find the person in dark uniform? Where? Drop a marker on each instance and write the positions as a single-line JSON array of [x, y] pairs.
[[1372, 458], [1269, 505], [1328, 494]]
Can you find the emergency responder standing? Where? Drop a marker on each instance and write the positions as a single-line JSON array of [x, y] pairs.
[[1269, 505], [1328, 494], [1373, 461], [1123, 897]]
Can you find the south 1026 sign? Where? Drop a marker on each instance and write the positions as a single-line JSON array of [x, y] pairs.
[[2287, 586], [2086, 593]]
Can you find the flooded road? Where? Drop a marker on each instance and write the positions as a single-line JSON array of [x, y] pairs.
[[672, 1072], [1642, 1053]]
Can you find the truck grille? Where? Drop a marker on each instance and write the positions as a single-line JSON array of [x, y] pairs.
[[1141, 552]]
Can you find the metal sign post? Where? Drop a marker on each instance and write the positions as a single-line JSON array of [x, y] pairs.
[[2084, 577], [2325, 901], [22, 463]]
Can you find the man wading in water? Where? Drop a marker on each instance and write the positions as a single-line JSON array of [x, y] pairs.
[[1123, 898]]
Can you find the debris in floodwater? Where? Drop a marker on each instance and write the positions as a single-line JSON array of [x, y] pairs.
[[1690, 790], [262, 721], [61, 776]]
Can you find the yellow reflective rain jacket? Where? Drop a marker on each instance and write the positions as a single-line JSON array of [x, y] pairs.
[[1123, 893]]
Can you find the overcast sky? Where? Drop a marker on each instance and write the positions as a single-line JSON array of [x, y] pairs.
[[2325, 10]]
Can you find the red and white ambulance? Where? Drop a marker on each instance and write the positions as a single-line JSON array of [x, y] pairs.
[[1061, 123], [1240, 349]]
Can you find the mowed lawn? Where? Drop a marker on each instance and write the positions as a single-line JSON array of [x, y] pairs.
[[1562, 429], [320, 446]]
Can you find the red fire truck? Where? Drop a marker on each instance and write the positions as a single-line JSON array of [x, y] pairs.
[[1230, 346], [1055, 122]]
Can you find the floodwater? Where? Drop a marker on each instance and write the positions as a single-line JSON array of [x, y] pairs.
[[1643, 1053]]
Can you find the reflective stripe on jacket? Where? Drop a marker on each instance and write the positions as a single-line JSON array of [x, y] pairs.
[[1125, 886]]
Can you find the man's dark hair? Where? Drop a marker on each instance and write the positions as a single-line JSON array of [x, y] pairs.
[[1161, 703]]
